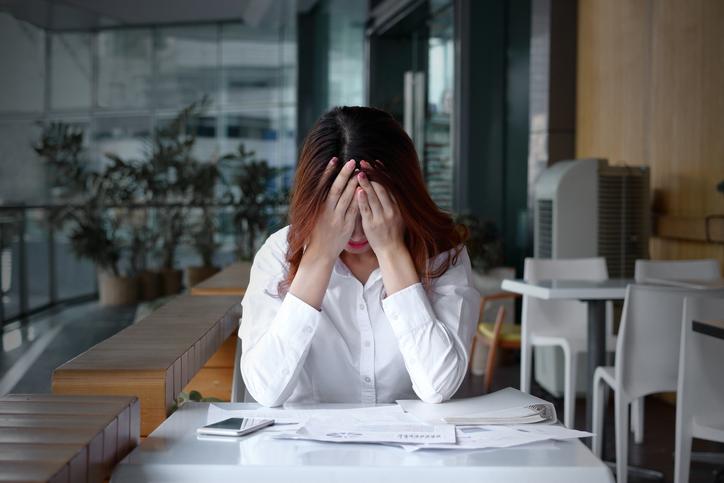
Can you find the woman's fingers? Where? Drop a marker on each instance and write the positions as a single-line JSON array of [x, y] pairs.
[[364, 206], [341, 182], [386, 200], [347, 195], [328, 170], [372, 200], [353, 207]]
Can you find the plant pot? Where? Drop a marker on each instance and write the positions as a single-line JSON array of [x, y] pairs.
[[196, 275], [117, 290], [149, 284], [171, 280]]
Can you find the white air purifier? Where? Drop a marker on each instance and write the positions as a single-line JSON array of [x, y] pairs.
[[586, 208]]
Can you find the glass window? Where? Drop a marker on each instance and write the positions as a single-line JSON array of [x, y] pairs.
[[346, 53], [10, 228], [126, 137], [22, 58], [23, 175], [187, 59], [124, 68], [71, 72], [74, 276], [37, 256], [438, 126], [206, 146], [252, 65]]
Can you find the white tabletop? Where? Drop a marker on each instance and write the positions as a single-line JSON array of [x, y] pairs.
[[612, 289], [173, 453]]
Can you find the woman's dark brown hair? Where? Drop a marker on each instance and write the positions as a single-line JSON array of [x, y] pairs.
[[366, 133]]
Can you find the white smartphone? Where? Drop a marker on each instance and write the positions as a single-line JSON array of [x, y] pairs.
[[235, 426]]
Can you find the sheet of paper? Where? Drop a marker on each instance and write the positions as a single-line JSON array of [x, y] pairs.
[[348, 430], [391, 413], [482, 437], [552, 431]]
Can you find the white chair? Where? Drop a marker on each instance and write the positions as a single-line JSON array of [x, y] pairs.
[[559, 323], [647, 359], [700, 397], [703, 269]]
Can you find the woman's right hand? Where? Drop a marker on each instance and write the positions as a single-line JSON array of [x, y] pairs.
[[336, 220]]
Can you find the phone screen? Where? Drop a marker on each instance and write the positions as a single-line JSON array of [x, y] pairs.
[[232, 423]]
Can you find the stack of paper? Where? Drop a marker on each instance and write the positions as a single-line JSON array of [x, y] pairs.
[[499, 420], [507, 406]]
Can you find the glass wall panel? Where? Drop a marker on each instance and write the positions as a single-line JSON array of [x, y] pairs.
[[252, 64], [71, 71], [10, 229], [206, 146], [37, 256], [23, 176], [269, 133], [124, 68], [438, 126], [74, 276], [346, 53], [22, 57], [126, 137], [187, 60]]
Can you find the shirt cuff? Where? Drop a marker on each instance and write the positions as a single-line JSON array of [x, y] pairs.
[[408, 309], [296, 321]]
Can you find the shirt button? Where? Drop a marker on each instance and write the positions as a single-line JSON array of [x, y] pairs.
[[285, 371], [394, 316], [307, 330], [361, 306], [367, 343], [367, 379]]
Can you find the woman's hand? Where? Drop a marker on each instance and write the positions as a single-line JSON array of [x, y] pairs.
[[336, 221], [384, 228], [381, 218]]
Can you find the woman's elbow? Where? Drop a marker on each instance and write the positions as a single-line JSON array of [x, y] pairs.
[[260, 388], [445, 383]]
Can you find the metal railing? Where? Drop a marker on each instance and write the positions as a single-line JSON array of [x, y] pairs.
[[38, 269]]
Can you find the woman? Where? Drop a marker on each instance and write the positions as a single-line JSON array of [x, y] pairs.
[[367, 295]]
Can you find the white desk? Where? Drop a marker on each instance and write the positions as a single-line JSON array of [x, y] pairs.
[[595, 294], [173, 453]]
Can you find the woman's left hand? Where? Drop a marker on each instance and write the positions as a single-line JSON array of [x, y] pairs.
[[381, 218]]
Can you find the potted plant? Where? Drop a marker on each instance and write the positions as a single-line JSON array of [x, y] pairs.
[[167, 181], [205, 245], [94, 228], [258, 199], [204, 181]]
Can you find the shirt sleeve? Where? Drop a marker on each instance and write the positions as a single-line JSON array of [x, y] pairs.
[[434, 331], [276, 332]]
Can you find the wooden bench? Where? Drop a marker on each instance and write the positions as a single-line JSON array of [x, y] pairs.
[[232, 280], [65, 439], [155, 358]]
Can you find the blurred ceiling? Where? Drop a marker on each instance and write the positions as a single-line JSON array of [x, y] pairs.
[[66, 15]]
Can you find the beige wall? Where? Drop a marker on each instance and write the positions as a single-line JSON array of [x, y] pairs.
[[651, 91]]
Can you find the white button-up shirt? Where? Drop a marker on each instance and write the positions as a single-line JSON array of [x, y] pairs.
[[362, 346]]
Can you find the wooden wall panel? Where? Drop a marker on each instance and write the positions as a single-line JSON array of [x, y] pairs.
[[649, 91]]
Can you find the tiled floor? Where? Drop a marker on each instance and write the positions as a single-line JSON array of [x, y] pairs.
[[33, 349]]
